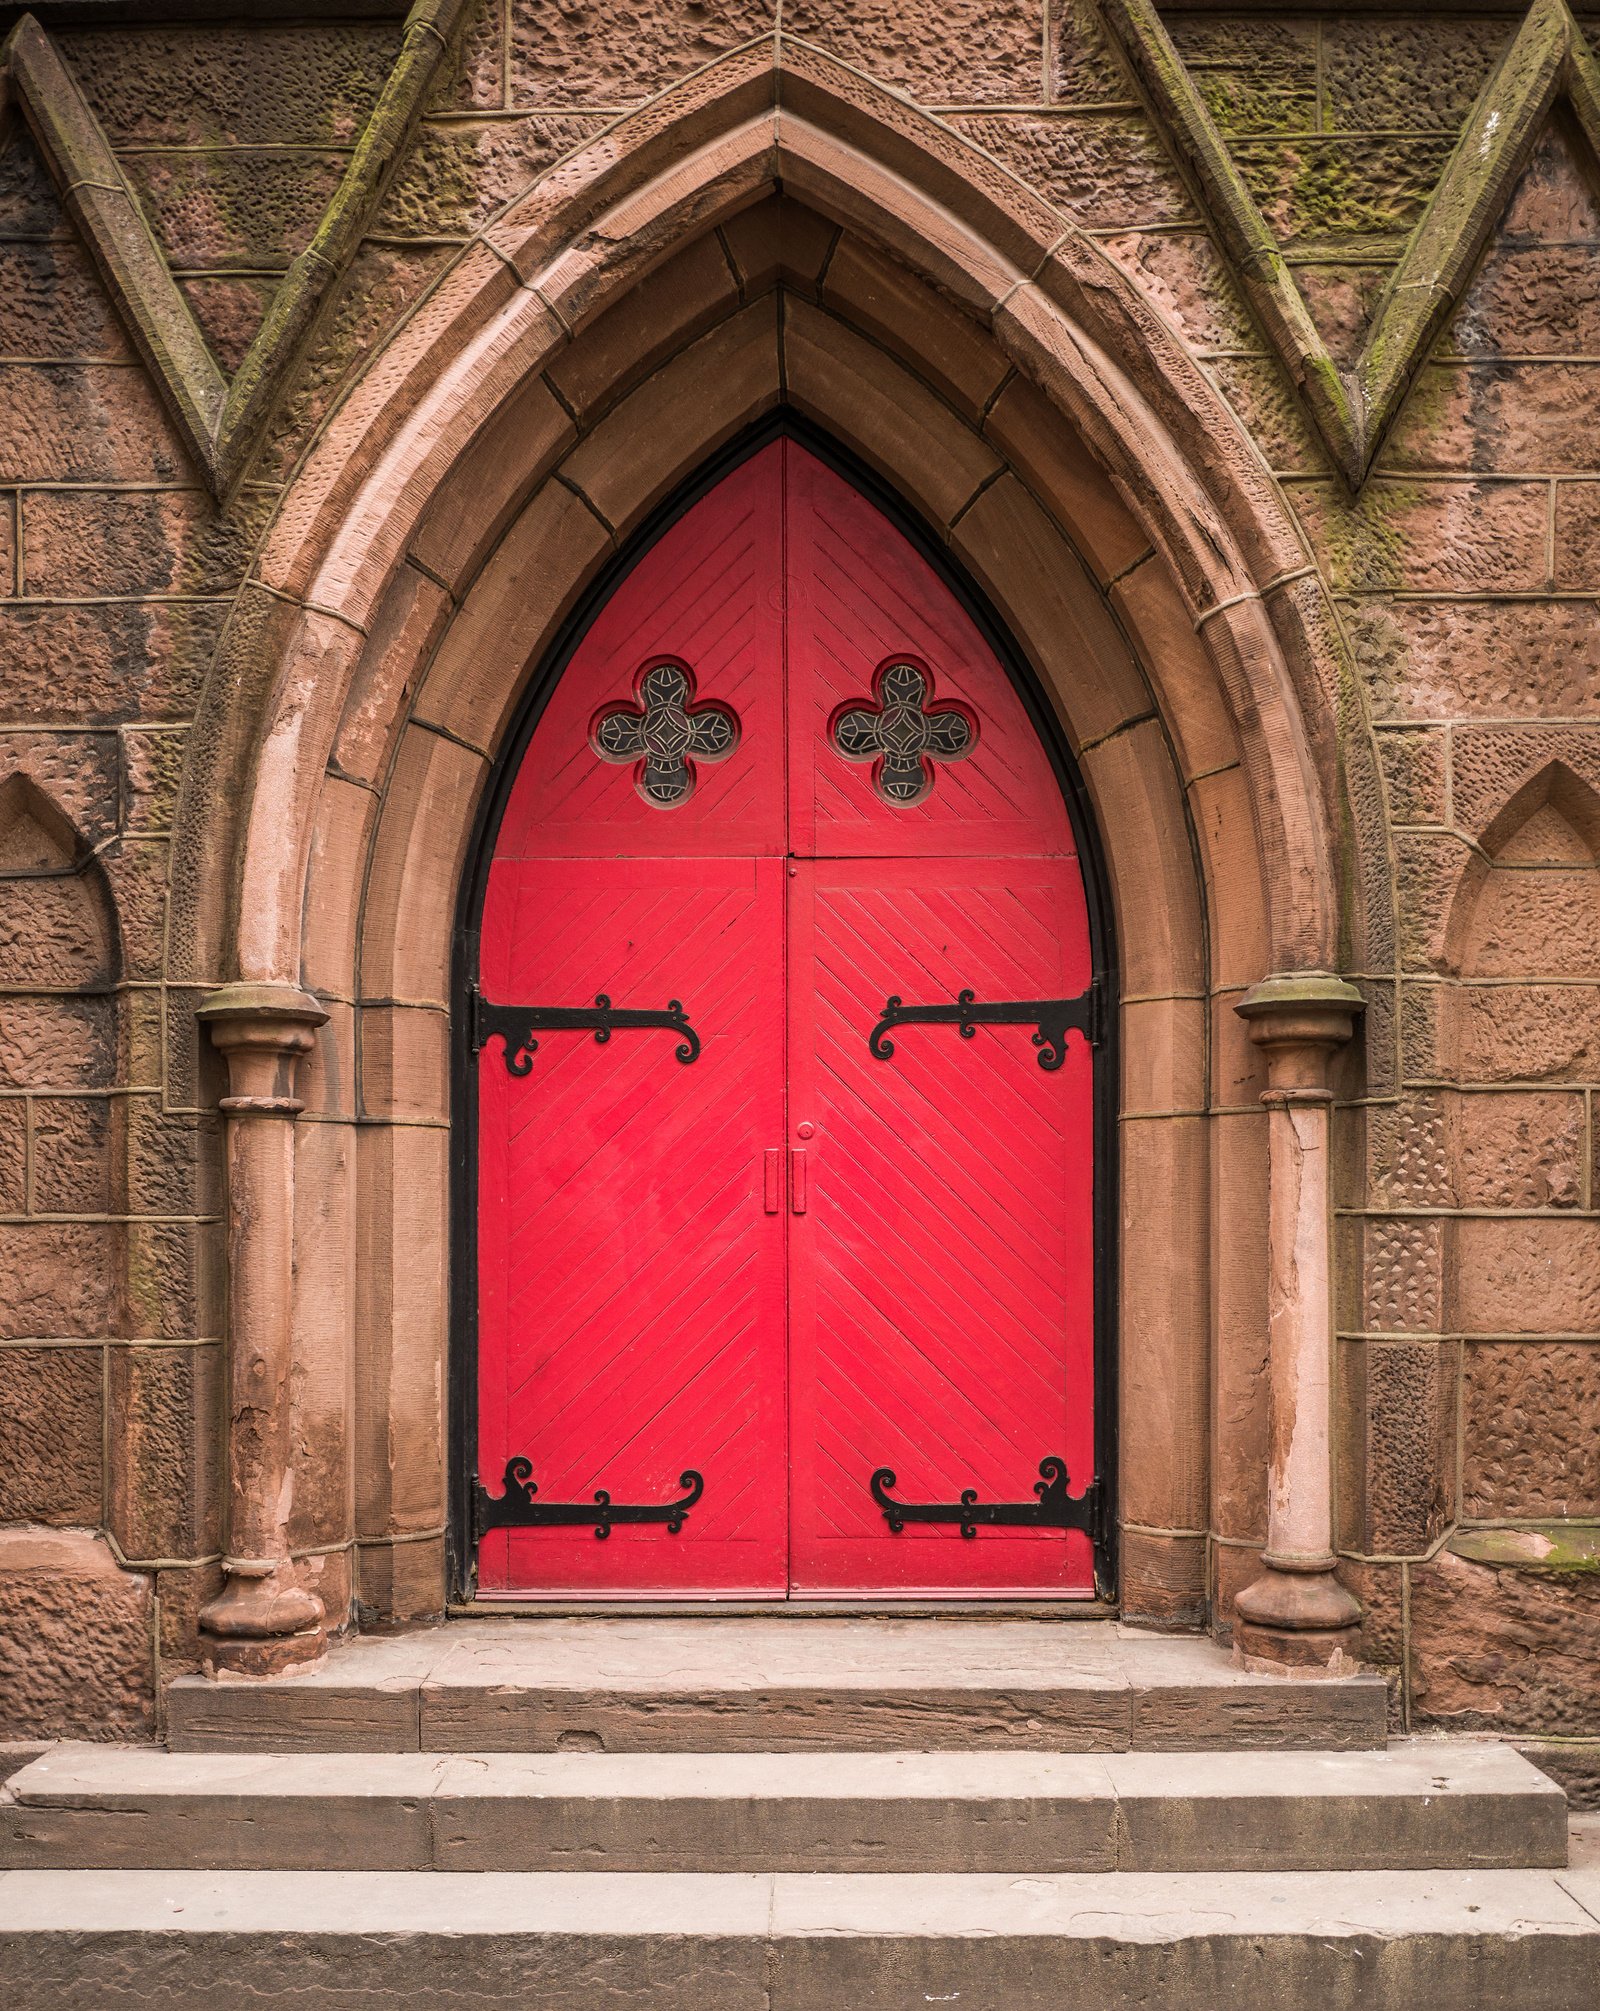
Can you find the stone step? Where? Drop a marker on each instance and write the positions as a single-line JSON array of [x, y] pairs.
[[1420, 1805], [768, 1685], [567, 1941]]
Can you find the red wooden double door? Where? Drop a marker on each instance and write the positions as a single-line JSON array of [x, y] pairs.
[[762, 1262]]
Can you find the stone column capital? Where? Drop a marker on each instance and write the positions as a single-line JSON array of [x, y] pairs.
[[1298, 1019], [281, 1018]]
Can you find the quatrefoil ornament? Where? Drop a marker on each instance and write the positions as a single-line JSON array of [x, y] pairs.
[[665, 732], [902, 734]]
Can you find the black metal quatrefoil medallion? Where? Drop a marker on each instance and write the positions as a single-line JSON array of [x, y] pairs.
[[665, 732], [904, 735]]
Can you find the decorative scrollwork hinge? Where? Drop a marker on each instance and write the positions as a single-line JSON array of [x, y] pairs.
[[1051, 1019], [1052, 1508], [516, 1508], [517, 1024]]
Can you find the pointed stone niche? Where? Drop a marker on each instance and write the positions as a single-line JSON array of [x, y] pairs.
[[1524, 937]]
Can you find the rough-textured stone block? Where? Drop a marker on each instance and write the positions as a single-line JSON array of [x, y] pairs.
[[1577, 567], [29, 204], [166, 1402], [1400, 1400], [109, 661], [1529, 1032], [1408, 1154], [1404, 1266], [1450, 536], [56, 1043], [458, 175], [71, 1155], [152, 773], [234, 208], [50, 1435], [84, 422], [1405, 73], [53, 934], [13, 1156], [1477, 659], [1415, 773], [1534, 299], [79, 542], [77, 775], [965, 52], [75, 1655], [52, 304], [1556, 820], [609, 52], [1555, 198], [1321, 192], [1519, 1151], [175, 1273], [61, 1278], [1187, 275], [1106, 173], [1531, 1430], [1083, 66], [1501, 1650], [1527, 1275], [312, 84], [230, 309]]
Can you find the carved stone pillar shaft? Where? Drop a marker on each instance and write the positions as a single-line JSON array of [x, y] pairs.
[[262, 1621], [1297, 1615]]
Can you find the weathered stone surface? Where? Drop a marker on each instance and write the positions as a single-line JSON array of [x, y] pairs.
[[13, 1156], [76, 774], [234, 208], [1403, 1271], [1455, 536], [1479, 659], [29, 205], [1527, 1275], [153, 769], [84, 542], [1577, 537], [1107, 173], [1530, 1445], [1083, 69], [1514, 785], [109, 661], [1326, 192], [50, 1435], [71, 1155], [1416, 774], [460, 174], [1400, 73], [62, 1280], [1519, 1151], [230, 309], [1402, 1398], [1340, 297], [606, 52], [53, 933], [1408, 1153], [53, 305], [75, 1656], [161, 1466], [56, 1043], [1186, 274], [1480, 416], [84, 422], [1501, 1650], [222, 85], [1528, 1033]]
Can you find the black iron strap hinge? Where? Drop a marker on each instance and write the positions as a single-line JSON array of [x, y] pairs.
[[516, 1508], [517, 1024], [1051, 1019], [1052, 1507]]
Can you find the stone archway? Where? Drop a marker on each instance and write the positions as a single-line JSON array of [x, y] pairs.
[[643, 303]]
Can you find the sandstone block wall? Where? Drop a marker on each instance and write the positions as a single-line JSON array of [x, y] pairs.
[[1466, 569]]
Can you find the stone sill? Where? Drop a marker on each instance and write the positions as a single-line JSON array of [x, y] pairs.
[[1561, 1546]]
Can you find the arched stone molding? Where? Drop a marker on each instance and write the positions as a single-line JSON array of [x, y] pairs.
[[1051, 426]]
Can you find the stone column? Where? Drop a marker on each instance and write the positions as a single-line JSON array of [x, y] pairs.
[[262, 1621], [1296, 1615]]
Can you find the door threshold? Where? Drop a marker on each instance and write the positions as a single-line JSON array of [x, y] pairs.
[[783, 1609]]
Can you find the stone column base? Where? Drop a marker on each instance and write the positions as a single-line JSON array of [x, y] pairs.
[[264, 1657], [1297, 1621]]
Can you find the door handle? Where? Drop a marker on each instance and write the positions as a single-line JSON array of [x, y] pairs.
[[797, 1180], [773, 1180]]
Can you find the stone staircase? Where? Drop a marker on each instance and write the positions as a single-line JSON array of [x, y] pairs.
[[755, 1814]]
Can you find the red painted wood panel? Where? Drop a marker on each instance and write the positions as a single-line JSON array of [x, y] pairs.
[[788, 1263], [631, 1317], [941, 1311]]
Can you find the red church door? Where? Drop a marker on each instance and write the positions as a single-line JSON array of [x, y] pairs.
[[785, 1186]]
